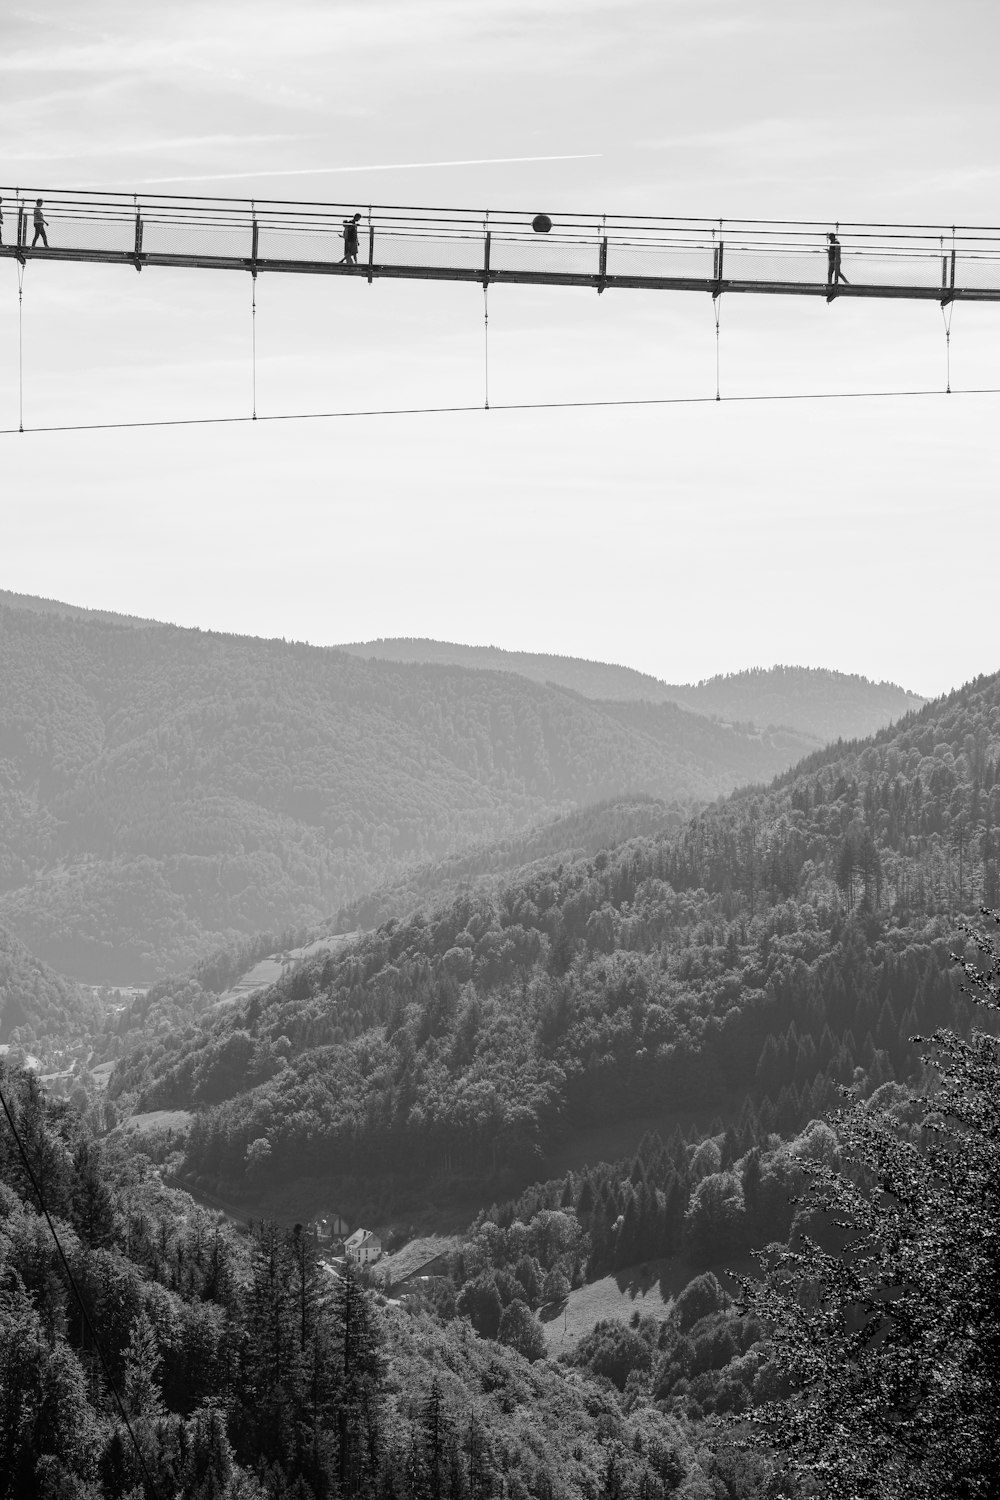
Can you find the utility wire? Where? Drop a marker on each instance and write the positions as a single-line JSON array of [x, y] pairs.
[[426, 411], [76, 1292]]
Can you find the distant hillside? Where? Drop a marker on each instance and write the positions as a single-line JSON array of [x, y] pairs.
[[586, 832], [826, 705], [39, 1009], [10, 600], [781, 943], [166, 791], [829, 705], [592, 679]]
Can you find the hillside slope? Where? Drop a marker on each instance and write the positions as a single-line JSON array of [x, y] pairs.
[[39, 1009], [164, 791], [780, 944], [814, 701], [40, 606]]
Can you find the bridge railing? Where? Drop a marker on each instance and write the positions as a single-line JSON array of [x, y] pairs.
[[746, 253]]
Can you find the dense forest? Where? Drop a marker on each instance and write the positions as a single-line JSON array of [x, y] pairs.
[[155, 1352], [146, 1349], [828, 705], [39, 1006], [166, 791], [586, 832], [780, 944]]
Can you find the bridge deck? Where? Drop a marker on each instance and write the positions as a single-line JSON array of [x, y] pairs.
[[921, 262]]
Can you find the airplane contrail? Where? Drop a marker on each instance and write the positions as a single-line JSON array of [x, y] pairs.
[[395, 166]]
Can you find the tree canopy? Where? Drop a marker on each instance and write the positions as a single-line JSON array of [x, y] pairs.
[[886, 1313]]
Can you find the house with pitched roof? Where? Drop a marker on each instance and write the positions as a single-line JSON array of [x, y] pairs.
[[329, 1229], [363, 1247]]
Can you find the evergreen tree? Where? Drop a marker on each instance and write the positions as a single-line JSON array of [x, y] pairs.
[[141, 1392], [356, 1339]]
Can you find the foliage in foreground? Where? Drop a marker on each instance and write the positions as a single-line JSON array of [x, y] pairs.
[[888, 1316]]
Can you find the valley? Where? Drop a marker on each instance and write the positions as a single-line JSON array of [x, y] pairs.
[[566, 990]]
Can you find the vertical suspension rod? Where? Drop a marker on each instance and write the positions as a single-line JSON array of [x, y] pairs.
[[20, 347], [254, 242]]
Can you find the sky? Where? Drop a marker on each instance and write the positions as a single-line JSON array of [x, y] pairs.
[[682, 540]]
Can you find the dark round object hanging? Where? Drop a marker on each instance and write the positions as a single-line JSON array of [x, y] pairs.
[[541, 223]]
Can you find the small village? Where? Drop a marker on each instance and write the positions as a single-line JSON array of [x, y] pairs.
[[397, 1273]]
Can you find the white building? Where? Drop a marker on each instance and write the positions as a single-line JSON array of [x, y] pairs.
[[363, 1247]]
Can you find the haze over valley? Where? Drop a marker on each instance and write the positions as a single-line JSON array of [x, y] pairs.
[[541, 976], [167, 791]]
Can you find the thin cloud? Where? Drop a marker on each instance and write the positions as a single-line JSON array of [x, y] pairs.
[[139, 148], [393, 166]]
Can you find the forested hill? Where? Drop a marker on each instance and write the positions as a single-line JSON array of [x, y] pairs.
[[436, 882], [165, 791], [781, 943], [592, 679], [9, 600], [826, 705], [829, 705], [40, 1009]]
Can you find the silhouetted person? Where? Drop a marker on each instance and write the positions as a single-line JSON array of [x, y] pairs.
[[39, 226], [833, 271], [1, 221], [350, 255]]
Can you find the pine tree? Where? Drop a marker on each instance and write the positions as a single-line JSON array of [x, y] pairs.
[[358, 1342], [435, 1435], [141, 1391], [94, 1217]]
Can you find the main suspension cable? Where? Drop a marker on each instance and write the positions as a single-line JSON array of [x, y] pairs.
[[428, 411]]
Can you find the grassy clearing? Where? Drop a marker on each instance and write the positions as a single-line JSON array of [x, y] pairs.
[[269, 970], [159, 1119], [647, 1289], [101, 1073]]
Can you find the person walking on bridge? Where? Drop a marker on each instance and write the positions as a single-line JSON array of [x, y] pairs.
[[39, 226], [833, 271], [350, 255]]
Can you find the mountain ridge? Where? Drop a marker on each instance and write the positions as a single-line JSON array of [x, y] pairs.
[[166, 790], [782, 942], [813, 700]]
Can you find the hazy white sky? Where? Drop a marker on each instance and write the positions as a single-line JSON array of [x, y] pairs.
[[683, 540]]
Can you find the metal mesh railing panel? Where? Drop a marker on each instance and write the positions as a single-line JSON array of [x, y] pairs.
[[871, 268], [317, 245], [453, 252], [79, 232], [791, 266], [541, 253], [981, 272], [228, 242], [689, 263]]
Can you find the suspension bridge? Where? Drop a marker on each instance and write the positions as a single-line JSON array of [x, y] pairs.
[[597, 251], [916, 262]]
